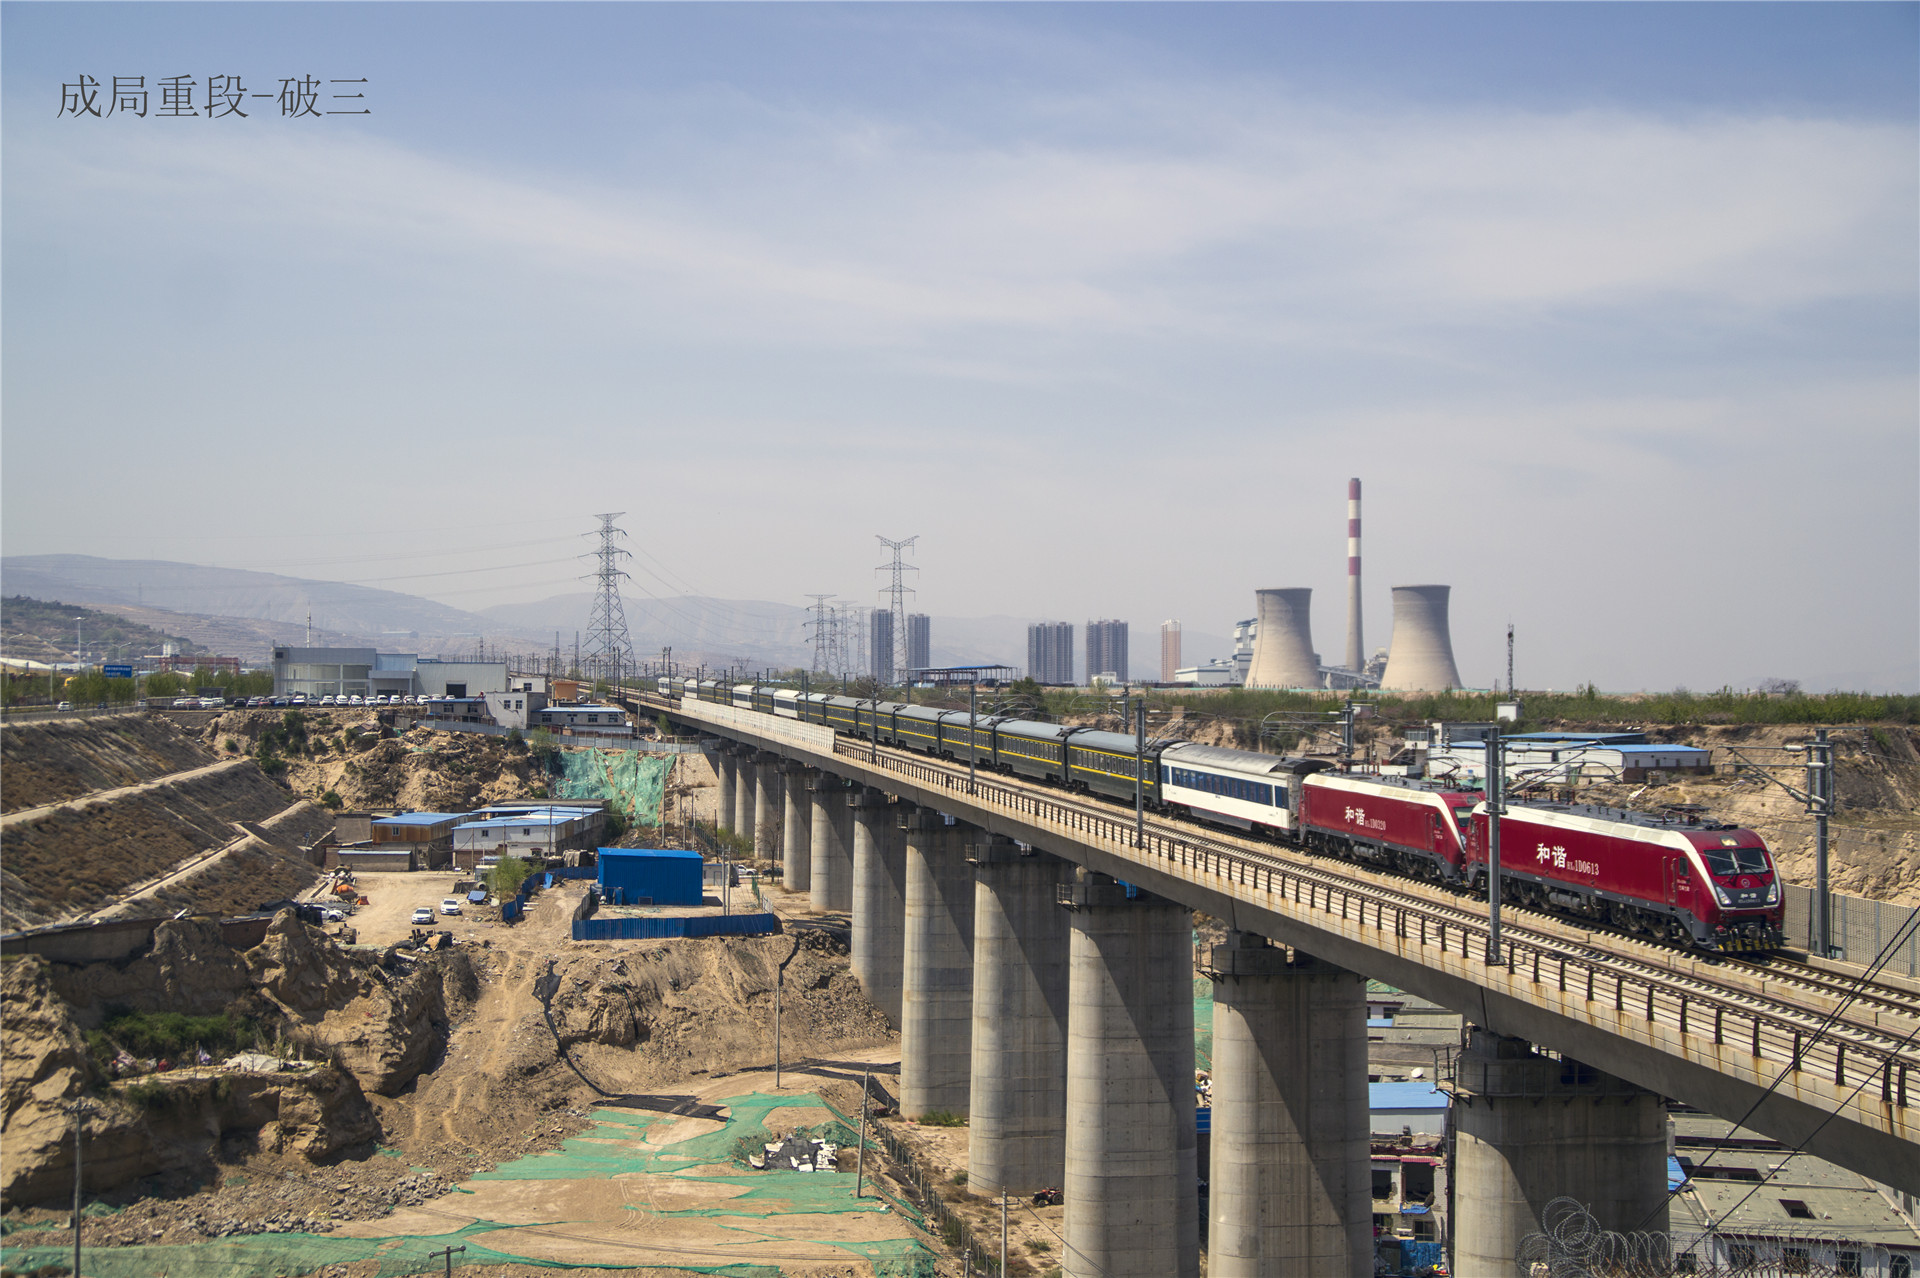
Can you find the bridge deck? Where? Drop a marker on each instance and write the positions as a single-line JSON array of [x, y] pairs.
[[1818, 1057]]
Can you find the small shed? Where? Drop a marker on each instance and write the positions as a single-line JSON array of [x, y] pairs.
[[650, 876]]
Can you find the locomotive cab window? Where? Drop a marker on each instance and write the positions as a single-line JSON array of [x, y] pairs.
[[1725, 862]]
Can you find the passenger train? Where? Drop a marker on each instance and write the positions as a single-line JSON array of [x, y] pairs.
[[1678, 876]]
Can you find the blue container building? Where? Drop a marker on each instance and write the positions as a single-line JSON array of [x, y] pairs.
[[651, 876]]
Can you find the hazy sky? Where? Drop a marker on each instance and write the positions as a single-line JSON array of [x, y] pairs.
[[1612, 307]]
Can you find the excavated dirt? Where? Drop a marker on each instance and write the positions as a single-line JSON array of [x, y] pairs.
[[73, 860], [50, 762], [421, 771], [453, 1063]]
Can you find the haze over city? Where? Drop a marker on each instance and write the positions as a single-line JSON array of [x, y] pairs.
[[1612, 307]]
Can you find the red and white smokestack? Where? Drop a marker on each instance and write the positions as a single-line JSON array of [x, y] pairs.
[[1356, 647]]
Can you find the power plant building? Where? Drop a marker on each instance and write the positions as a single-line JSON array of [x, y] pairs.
[[1283, 655], [1420, 658], [919, 641], [1107, 649], [1169, 650], [1050, 652], [880, 646]]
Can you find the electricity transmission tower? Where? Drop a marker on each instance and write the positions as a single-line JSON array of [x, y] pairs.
[[822, 633], [899, 590], [609, 651]]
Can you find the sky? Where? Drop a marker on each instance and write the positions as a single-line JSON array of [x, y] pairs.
[[1611, 307]]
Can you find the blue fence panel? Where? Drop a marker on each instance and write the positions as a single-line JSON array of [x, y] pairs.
[[510, 911], [733, 925]]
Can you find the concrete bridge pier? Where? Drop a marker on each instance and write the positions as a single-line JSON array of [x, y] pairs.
[[936, 983], [769, 804], [879, 897], [796, 827], [726, 770], [830, 844], [745, 796], [1130, 1184], [1290, 1175], [1016, 1141], [1529, 1129]]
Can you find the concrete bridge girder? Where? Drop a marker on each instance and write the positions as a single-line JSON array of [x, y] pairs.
[[1843, 1123]]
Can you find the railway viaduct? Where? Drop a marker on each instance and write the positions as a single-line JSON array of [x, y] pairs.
[[1034, 949]]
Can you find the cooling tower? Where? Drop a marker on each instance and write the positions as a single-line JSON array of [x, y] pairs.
[[1283, 644], [1421, 656]]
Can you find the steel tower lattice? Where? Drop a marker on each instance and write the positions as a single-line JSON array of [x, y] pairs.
[[822, 634], [609, 650], [898, 591]]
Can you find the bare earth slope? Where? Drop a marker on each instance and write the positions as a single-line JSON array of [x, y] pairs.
[[49, 762]]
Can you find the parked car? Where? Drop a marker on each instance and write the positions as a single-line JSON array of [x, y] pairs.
[[212, 703], [450, 905], [356, 700], [423, 915], [186, 703], [298, 699], [254, 703], [64, 705]]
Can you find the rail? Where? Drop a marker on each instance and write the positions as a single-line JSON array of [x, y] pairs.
[[1852, 1051], [1838, 1048]]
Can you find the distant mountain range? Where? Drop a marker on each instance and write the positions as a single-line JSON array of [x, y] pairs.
[[245, 613]]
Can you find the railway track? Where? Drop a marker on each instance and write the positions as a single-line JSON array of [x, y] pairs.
[[1794, 1023], [1791, 1015]]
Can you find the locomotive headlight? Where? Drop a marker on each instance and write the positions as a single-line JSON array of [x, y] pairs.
[[1720, 894]]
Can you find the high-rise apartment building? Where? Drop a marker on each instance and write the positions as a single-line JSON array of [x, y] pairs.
[[880, 646], [1169, 650], [919, 642], [1107, 649], [1050, 652]]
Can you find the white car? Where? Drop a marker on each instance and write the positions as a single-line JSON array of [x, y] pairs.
[[423, 915], [450, 905], [356, 700]]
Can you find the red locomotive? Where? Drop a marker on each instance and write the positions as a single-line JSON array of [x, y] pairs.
[[1677, 875], [1409, 826]]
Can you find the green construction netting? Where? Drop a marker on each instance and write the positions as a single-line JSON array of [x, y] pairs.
[[1203, 1023], [629, 780], [621, 1142]]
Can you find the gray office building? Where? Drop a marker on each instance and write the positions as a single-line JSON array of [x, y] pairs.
[[1107, 649], [880, 646], [1050, 652], [919, 641]]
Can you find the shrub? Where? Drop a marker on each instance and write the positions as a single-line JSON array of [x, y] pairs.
[[504, 879], [942, 1118], [332, 799], [516, 744], [232, 746], [959, 1178], [151, 1094], [173, 1033]]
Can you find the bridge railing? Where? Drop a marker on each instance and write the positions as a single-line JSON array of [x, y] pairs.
[[1770, 1039]]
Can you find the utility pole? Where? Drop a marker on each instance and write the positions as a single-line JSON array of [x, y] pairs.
[[860, 1156], [1496, 805], [1003, 1231], [1140, 773], [1819, 800], [973, 736], [1510, 692], [79, 1109], [448, 1253]]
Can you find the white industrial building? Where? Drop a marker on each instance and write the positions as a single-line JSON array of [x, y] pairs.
[[334, 672]]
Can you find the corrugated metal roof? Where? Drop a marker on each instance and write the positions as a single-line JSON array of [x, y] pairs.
[[677, 854], [1405, 1096], [419, 818]]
